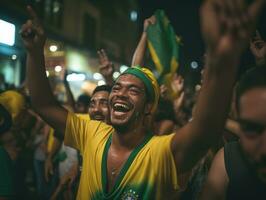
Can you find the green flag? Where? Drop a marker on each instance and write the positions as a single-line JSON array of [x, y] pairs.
[[164, 46]]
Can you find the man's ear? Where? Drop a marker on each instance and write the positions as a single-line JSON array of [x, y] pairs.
[[147, 109]]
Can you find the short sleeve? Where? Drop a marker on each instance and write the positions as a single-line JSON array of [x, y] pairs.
[[163, 160], [80, 132]]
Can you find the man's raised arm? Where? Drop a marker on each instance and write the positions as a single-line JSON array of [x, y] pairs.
[[43, 100], [139, 54], [226, 28]]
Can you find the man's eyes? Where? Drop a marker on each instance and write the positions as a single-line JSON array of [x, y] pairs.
[[131, 90], [251, 129], [115, 88], [104, 102], [134, 91], [91, 105]]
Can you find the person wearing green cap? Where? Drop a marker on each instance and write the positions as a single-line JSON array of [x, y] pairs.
[[125, 160]]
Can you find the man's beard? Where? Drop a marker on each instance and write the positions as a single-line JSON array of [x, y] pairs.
[[255, 166], [129, 125]]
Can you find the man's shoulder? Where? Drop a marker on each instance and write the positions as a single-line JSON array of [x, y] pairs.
[[161, 138], [161, 142], [84, 120]]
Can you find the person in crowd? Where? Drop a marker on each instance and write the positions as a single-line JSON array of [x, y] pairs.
[[82, 104], [98, 110], [3, 84], [238, 170], [258, 49], [40, 134], [83, 101], [11, 106], [125, 160], [99, 107]]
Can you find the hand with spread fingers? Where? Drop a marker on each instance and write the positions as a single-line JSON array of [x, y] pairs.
[[258, 49], [32, 32], [227, 26], [106, 66]]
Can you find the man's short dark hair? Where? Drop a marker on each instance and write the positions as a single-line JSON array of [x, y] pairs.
[[254, 78], [100, 88]]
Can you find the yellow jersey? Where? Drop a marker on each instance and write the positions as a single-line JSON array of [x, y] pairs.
[[149, 172]]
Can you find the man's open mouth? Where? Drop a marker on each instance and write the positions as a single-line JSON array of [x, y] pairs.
[[98, 117], [121, 107]]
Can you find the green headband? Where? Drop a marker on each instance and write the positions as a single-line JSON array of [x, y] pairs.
[[136, 71]]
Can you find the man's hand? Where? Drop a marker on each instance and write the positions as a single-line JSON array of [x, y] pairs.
[[177, 84], [32, 33], [48, 169], [173, 89], [106, 66], [163, 91], [139, 54], [228, 25], [258, 49], [70, 177], [149, 21]]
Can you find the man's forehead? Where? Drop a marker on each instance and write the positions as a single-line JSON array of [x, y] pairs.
[[100, 95], [254, 97], [253, 104], [129, 79]]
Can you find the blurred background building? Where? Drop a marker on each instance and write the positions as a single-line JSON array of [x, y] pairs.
[[76, 29]]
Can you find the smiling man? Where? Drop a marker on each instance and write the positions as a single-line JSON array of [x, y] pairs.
[[125, 160], [99, 107]]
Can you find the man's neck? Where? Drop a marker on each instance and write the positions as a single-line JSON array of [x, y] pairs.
[[128, 140]]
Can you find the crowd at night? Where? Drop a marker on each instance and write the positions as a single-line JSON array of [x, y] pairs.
[[104, 100]]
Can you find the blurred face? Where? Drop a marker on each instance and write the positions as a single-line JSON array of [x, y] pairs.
[[99, 108], [10, 143], [127, 102], [81, 107], [253, 128]]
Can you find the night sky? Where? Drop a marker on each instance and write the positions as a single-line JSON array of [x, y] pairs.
[[184, 16]]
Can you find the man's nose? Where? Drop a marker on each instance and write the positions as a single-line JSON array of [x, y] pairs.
[[122, 92]]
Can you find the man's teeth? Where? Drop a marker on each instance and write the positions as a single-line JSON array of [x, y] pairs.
[[119, 105]]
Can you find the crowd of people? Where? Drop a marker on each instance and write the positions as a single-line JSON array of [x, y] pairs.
[[132, 139]]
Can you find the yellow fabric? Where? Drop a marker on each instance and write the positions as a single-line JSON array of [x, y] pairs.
[[13, 101], [83, 116], [50, 140], [51, 132], [152, 174], [155, 57]]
